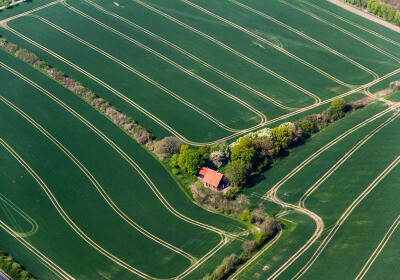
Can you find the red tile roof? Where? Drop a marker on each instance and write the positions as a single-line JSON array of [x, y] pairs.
[[203, 171], [211, 177]]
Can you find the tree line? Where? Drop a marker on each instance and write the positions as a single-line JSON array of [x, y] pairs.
[[13, 269], [383, 9]]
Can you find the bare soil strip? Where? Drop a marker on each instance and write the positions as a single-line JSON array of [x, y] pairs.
[[301, 34], [351, 23], [366, 15], [352, 35]]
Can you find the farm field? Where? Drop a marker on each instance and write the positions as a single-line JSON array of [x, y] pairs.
[[328, 185], [206, 72], [105, 185], [163, 64]]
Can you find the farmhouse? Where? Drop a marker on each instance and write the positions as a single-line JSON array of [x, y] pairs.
[[212, 179]]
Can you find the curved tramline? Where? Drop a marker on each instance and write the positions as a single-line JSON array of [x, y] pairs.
[[25, 216], [166, 126], [344, 158], [69, 221], [224, 235], [105, 85], [272, 193], [126, 66], [262, 67], [148, 79], [179, 49], [378, 249], [127, 158], [301, 34], [96, 184], [280, 49], [365, 42], [46, 261], [344, 216], [376, 34]]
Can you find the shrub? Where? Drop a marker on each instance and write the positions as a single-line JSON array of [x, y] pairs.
[[175, 171], [249, 246], [142, 136], [245, 151]]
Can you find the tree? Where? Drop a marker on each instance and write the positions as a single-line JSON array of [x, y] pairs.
[[182, 157], [338, 104], [194, 161], [245, 151], [6, 4], [168, 146], [282, 137], [173, 161], [307, 127], [217, 158], [237, 173]]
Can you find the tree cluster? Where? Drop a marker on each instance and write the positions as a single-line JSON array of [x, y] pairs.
[[142, 136], [13, 269]]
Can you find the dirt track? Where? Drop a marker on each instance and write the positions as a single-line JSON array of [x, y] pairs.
[[365, 15]]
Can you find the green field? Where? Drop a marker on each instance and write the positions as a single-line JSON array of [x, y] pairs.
[[80, 199], [221, 68]]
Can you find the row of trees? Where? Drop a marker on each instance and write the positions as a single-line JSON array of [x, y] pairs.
[[142, 136], [383, 9], [13, 269]]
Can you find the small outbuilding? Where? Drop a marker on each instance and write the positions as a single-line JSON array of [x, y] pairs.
[[212, 179]]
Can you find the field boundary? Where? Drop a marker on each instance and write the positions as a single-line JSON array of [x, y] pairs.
[[363, 14], [302, 34], [350, 34]]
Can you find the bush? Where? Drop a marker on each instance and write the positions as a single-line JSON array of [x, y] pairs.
[[249, 246], [142, 136], [175, 171]]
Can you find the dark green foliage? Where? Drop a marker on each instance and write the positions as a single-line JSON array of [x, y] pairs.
[[307, 127], [245, 151], [282, 137], [338, 104], [223, 270], [237, 172], [13, 269]]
